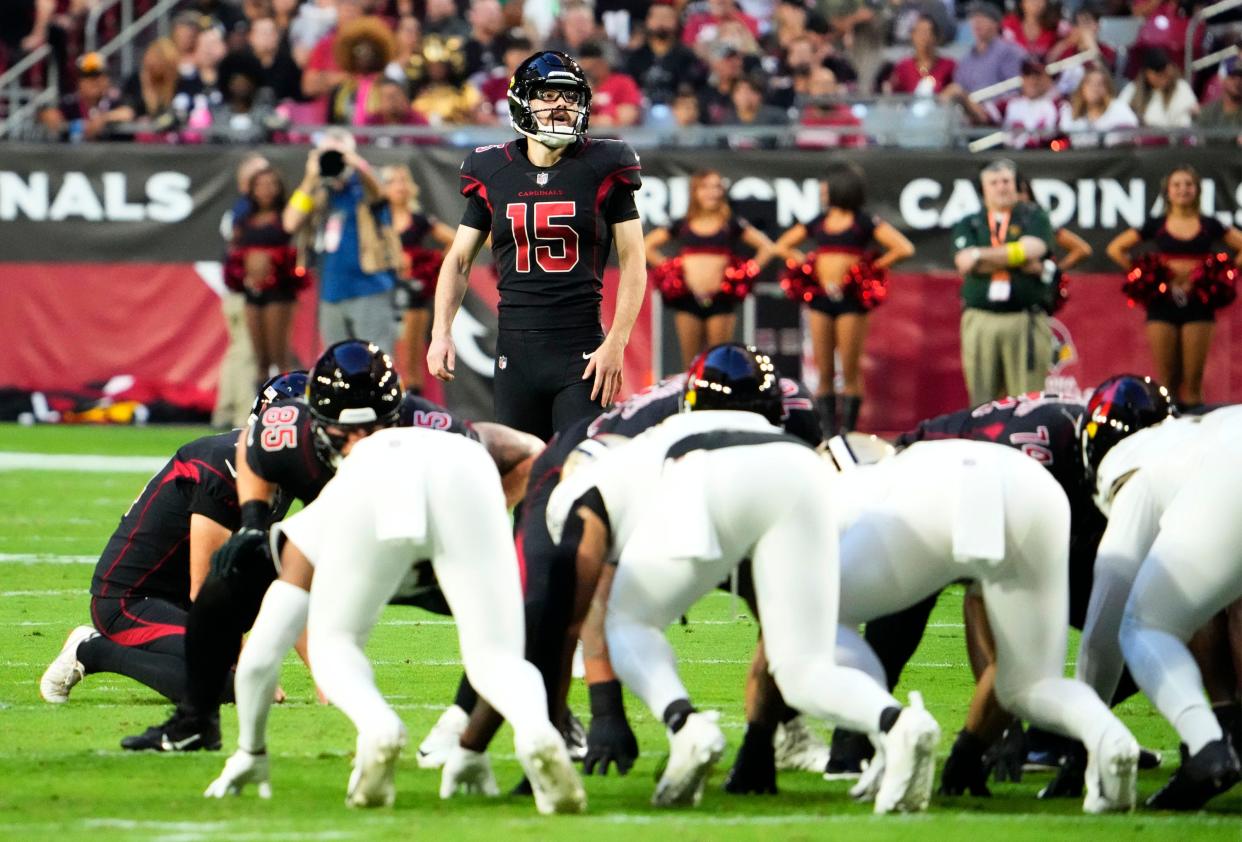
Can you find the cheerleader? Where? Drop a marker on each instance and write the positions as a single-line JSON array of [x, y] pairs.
[[416, 286], [1182, 281], [841, 283], [708, 278], [261, 264]]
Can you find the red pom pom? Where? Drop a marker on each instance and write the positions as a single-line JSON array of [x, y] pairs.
[[1215, 282], [799, 281], [1148, 279], [739, 276], [866, 283], [425, 266], [670, 280]]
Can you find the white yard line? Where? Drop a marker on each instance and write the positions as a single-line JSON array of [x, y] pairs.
[[46, 558], [88, 463]]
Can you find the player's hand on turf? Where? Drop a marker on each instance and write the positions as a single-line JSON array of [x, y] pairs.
[[467, 772], [442, 357], [965, 771], [1008, 755], [610, 740], [606, 364], [241, 769], [245, 546]]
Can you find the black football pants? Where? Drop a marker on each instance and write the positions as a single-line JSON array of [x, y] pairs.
[[538, 385]]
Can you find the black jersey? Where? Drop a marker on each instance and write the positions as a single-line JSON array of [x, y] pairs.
[[149, 553], [280, 446], [725, 240], [1043, 426], [853, 240], [645, 409], [1155, 231], [551, 226]]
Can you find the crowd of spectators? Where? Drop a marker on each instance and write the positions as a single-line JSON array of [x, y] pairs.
[[245, 70]]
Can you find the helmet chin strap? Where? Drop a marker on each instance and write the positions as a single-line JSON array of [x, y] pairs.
[[548, 134]]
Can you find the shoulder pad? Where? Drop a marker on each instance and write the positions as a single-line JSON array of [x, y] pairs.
[[480, 164], [614, 157]]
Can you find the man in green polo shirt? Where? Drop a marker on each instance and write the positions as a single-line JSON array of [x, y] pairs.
[[1006, 341]]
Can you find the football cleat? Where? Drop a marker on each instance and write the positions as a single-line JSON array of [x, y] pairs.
[[799, 748], [1206, 774], [1149, 758], [371, 784], [467, 772], [1112, 774], [63, 674], [910, 761], [553, 780], [181, 732], [693, 751], [443, 737], [240, 769]]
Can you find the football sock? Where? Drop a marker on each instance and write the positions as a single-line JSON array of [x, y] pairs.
[[888, 718], [466, 697], [163, 672], [676, 714], [276, 630]]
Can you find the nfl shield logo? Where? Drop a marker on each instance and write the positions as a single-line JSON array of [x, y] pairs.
[[503, 362], [541, 179]]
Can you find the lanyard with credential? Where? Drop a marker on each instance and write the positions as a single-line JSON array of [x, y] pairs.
[[998, 227]]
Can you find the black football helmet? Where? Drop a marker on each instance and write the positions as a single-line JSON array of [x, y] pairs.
[[734, 376], [1121, 405], [549, 71], [289, 384], [352, 387]]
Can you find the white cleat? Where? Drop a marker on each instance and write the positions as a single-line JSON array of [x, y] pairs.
[[241, 769], [553, 779], [467, 772], [443, 737], [910, 761], [693, 751], [868, 783], [63, 674], [1112, 774], [375, 766], [799, 748]]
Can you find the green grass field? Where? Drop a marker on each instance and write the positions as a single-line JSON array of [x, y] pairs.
[[65, 776]]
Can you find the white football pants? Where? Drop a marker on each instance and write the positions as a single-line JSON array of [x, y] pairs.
[[770, 503], [1194, 570], [901, 549], [403, 495]]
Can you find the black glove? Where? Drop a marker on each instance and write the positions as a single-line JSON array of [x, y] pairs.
[[1071, 777], [245, 547], [754, 770], [1008, 755], [610, 740], [964, 770]]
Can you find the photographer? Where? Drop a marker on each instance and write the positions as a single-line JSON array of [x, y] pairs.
[[358, 250]]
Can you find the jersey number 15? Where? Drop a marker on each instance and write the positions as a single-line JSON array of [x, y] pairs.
[[556, 245]]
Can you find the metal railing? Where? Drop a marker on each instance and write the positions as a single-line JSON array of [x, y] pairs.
[[131, 29], [1199, 18], [23, 103]]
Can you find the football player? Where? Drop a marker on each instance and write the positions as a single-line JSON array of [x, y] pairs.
[[289, 452], [671, 509], [401, 496], [553, 202], [1168, 562], [558, 590], [154, 566]]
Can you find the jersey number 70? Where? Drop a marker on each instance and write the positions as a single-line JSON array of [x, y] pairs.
[[557, 237]]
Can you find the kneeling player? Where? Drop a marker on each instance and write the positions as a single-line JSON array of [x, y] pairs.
[[401, 496], [672, 508], [154, 565]]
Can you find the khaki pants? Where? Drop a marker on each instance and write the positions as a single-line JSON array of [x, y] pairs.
[[236, 388], [1004, 353]]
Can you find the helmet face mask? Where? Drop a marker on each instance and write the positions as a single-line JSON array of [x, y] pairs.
[[550, 99], [353, 389], [1118, 407]]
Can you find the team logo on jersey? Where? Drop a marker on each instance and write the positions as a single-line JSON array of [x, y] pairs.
[[541, 179], [502, 362]]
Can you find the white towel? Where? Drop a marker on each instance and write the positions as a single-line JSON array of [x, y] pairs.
[[979, 526]]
